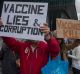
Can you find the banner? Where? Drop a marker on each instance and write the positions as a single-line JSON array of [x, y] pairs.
[[23, 19], [67, 28]]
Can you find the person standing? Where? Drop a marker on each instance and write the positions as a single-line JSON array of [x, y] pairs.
[[34, 54], [75, 57], [9, 58]]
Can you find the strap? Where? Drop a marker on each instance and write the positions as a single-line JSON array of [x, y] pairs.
[[58, 58]]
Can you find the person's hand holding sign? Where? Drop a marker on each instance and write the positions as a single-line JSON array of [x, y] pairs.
[[45, 29]]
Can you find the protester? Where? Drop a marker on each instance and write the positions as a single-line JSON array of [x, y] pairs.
[[34, 54], [75, 57], [9, 58], [70, 47]]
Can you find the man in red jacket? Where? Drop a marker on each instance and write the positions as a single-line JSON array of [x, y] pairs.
[[34, 54]]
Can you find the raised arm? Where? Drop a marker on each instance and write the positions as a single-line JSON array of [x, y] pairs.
[[11, 42], [53, 44], [54, 47]]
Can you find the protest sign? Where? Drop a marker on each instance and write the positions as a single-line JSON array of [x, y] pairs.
[[23, 19], [67, 28]]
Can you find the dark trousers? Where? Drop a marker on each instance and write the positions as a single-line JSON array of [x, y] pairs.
[[75, 71]]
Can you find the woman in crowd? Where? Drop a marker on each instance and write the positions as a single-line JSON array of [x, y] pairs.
[[75, 57]]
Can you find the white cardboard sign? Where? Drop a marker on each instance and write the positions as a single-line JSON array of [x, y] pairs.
[[23, 20], [67, 28]]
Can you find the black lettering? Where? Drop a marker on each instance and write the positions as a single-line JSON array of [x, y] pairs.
[[1, 28], [24, 10], [18, 8], [19, 29], [40, 9], [35, 31], [14, 29], [14, 19], [18, 20], [6, 6], [10, 28], [40, 32], [11, 9], [33, 9], [36, 23], [29, 9], [6, 28], [25, 20], [23, 29], [8, 20], [29, 28], [31, 31]]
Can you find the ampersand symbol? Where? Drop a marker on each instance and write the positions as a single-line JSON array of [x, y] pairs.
[[36, 23]]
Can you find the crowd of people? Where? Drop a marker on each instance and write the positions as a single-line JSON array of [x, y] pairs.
[[29, 56], [32, 55]]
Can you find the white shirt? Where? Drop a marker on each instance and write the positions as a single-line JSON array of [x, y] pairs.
[[75, 57]]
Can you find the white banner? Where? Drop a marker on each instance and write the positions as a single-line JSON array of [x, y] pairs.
[[23, 19]]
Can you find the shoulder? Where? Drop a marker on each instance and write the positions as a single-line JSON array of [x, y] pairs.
[[42, 44]]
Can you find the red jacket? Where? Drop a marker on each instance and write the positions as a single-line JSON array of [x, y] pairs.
[[32, 62]]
